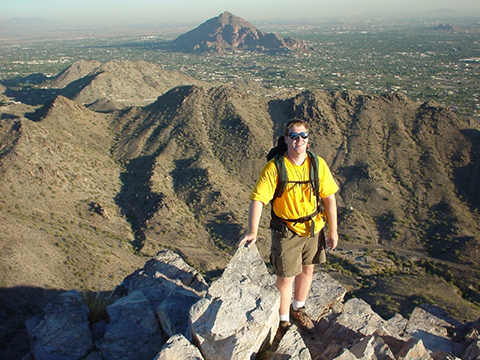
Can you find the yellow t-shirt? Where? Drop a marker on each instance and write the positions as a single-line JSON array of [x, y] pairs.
[[298, 200]]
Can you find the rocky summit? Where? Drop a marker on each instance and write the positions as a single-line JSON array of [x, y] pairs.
[[166, 311], [228, 32]]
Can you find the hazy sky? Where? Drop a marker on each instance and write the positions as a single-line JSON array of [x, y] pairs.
[[197, 11]]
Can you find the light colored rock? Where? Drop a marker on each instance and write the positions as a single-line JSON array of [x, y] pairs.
[[324, 292], [179, 348], [173, 267], [431, 325], [372, 347], [345, 355], [472, 335], [359, 317], [163, 274], [414, 350], [292, 347], [171, 286], [396, 325], [240, 312]]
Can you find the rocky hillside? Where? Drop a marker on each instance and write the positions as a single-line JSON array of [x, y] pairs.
[[74, 72], [228, 32], [86, 196], [116, 84]]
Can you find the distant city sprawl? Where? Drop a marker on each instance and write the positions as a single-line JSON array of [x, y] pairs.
[[425, 60]]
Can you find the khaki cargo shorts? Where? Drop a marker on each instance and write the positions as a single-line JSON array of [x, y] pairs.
[[289, 252]]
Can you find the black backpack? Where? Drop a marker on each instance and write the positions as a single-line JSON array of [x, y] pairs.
[[278, 153]]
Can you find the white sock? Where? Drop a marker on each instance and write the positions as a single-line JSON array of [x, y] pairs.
[[285, 317], [297, 304]]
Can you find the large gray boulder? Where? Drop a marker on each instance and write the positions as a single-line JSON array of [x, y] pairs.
[[240, 312], [172, 266], [133, 331], [163, 274], [171, 286], [356, 330], [63, 323]]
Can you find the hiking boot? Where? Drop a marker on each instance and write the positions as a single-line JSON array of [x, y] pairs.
[[302, 320], [283, 327]]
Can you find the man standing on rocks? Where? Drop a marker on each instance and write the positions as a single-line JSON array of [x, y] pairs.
[[297, 226]]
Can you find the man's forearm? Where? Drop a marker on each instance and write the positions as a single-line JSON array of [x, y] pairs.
[[331, 212], [255, 213]]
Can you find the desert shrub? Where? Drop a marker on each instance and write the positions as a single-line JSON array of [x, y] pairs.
[[97, 304]]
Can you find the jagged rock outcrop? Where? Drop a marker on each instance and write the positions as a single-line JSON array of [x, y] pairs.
[[171, 286], [228, 32], [236, 317], [240, 312], [357, 330]]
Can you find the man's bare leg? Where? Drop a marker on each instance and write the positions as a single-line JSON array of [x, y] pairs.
[[303, 281], [284, 285]]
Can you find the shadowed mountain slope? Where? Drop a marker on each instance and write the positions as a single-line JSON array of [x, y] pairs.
[[198, 149], [228, 32]]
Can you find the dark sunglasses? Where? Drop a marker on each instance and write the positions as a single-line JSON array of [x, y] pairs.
[[295, 135]]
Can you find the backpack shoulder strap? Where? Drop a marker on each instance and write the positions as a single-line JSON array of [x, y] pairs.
[[314, 177], [282, 175]]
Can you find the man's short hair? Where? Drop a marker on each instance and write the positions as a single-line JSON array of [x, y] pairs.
[[295, 122]]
